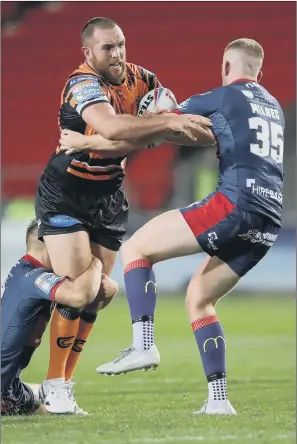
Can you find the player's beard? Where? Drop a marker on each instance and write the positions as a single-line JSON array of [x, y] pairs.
[[107, 73]]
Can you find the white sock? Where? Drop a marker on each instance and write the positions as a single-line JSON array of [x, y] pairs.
[[217, 390], [55, 381], [143, 335]]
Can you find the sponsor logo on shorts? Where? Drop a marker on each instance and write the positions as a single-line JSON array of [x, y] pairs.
[[46, 281], [65, 342], [63, 221], [215, 340], [264, 192], [257, 237], [211, 238]]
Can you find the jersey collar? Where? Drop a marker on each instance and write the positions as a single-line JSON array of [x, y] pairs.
[[243, 80], [33, 261]]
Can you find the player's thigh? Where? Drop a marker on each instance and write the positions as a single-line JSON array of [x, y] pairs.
[[212, 280], [107, 257], [164, 237], [70, 253]]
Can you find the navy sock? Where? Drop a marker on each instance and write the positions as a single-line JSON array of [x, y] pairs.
[[141, 289], [141, 294], [211, 342]]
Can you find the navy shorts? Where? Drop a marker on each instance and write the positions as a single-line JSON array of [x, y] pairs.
[[237, 237]]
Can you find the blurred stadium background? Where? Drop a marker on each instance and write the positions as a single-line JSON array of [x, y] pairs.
[[182, 42], [183, 45]]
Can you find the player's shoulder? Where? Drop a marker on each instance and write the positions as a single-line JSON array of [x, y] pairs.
[[139, 71], [208, 95], [141, 75], [82, 74]]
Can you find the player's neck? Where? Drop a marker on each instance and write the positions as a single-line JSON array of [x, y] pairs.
[[239, 76], [40, 256]]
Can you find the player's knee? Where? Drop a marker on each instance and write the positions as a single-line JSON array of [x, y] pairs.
[[196, 297], [131, 251]]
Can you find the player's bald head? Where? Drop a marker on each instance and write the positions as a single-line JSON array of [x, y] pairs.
[[88, 30], [244, 57], [32, 232]]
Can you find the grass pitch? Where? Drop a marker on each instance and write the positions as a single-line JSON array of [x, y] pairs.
[[156, 407]]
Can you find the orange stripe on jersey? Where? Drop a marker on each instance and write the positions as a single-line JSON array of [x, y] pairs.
[[95, 168], [91, 176]]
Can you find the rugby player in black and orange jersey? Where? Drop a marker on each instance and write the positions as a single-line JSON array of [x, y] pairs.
[[80, 204]]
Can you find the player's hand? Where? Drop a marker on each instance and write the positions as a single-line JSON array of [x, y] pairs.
[[72, 142], [188, 124]]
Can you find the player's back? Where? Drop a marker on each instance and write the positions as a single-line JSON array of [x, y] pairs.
[[249, 126], [256, 126], [21, 305]]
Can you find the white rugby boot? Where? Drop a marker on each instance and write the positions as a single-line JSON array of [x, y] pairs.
[[130, 360], [35, 389], [212, 407], [54, 393], [78, 410]]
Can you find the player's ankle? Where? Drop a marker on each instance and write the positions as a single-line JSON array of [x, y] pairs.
[[217, 387], [56, 380]]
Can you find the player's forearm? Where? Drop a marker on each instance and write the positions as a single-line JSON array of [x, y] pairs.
[[202, 137], [81, 291], [98, 143], [124, 127]]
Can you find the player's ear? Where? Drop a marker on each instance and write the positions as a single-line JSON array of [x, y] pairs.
[[260, 75], [227, 68], [86, 52]]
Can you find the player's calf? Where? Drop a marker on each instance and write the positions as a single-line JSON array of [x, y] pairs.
[[211, 282]]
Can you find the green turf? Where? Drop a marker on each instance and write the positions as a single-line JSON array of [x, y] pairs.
[[156, 407]]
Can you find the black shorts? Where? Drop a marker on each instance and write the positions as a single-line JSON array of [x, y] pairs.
[[18, 400], [67, 211]]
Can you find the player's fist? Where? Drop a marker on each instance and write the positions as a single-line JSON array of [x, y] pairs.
[[189, 125], [72, 142]]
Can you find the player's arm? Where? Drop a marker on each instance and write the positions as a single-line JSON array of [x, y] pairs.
[[201, 104], [87, 98], [115, 127], [74, 293], [72, 141]]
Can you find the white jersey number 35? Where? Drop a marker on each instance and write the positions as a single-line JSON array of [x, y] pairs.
[[271, 136]]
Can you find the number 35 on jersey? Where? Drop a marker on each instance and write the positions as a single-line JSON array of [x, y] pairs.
[[271, 139]]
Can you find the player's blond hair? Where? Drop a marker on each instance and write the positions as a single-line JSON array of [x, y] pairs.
[[249, 46]]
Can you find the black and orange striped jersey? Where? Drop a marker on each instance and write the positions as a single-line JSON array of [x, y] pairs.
[[84, 88]]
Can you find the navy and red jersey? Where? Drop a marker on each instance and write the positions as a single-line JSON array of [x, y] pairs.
[[248, 124], [28, 288], [93, 172]]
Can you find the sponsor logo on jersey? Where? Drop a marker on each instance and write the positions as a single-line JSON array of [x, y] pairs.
[[264, 192], [46, 281], [87, 91], [63, 221], [82, 79], [248, 94], [257, 237]]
